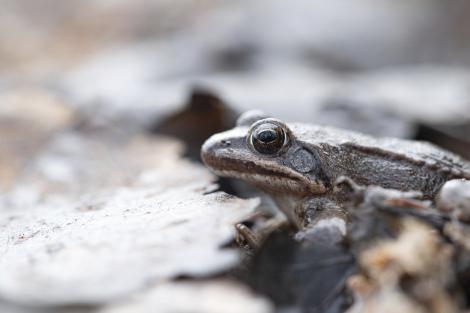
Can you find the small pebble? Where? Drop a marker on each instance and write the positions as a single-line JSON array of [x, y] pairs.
[[454, 198]]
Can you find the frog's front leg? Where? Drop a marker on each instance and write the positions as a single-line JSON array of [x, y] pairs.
[[324, 221], [261, 229]]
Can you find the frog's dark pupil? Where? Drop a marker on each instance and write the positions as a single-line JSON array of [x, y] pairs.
[[267, 136]]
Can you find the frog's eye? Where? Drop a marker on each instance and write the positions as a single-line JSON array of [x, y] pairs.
[[268, 138]]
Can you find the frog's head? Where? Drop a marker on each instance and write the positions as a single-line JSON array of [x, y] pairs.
[[264, 151]]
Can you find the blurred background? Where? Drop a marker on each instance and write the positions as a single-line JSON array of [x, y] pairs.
[[397, 68]]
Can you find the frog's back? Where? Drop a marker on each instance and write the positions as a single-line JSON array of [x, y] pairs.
[[389, 162]]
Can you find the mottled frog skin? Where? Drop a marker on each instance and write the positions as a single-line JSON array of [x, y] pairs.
[[298, 164]]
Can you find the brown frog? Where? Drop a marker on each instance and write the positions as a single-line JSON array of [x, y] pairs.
[[298, 165]]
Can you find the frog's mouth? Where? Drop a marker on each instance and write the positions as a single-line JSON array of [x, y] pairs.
[[264, 174]]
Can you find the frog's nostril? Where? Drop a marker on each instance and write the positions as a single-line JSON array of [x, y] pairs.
[[225, 142]]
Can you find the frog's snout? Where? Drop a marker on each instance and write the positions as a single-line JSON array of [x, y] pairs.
[[210, 148], [225, 148]]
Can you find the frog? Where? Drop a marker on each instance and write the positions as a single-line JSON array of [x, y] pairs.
[[299, 165]]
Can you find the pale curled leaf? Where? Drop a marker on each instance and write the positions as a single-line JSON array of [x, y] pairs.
[[56, 253]]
